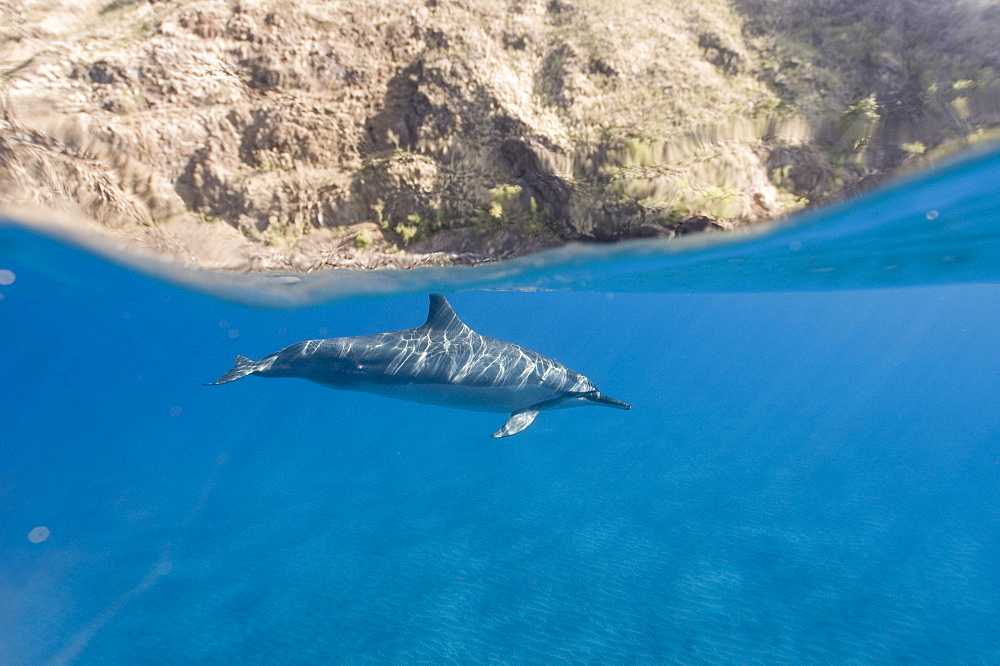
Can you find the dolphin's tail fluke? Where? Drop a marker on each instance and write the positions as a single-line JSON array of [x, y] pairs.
[[243, 367], [599, 397]]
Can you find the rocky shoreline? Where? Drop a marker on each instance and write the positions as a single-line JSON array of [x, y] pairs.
[[298, 135]]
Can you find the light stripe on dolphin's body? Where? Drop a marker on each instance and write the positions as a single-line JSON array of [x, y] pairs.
[[443, 362]]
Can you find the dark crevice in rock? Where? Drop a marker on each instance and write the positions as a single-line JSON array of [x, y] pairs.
[[404, 108], [551, 194]]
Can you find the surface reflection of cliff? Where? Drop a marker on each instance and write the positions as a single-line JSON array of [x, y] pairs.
[[936, 227]]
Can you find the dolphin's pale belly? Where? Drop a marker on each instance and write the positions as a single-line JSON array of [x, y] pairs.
[[474, 398]]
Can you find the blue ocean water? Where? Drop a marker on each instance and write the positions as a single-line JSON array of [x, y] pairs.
[[810, 471]]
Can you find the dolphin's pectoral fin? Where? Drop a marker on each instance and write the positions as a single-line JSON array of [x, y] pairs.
[[517, 422]]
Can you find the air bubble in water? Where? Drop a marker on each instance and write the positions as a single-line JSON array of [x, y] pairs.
[[39, 534]]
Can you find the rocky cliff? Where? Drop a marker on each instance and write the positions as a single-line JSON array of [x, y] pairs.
[[303, 134]]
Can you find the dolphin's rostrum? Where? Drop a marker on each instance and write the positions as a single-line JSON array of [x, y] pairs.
[[443, 362]]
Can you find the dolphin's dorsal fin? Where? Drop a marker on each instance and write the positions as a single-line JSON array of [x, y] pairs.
[[441, 317]]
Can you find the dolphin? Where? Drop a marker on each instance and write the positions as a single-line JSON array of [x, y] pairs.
[[443, 362]]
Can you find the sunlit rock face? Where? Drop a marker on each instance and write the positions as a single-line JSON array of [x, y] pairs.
[[301, 135]]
